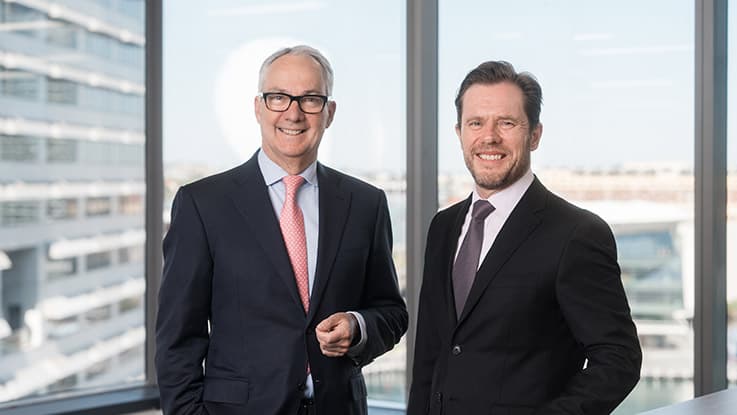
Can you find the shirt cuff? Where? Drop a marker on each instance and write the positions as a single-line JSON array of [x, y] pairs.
[[355, 350]]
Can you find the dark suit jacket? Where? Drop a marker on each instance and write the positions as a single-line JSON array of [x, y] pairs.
[[226, 264], [547, 297]]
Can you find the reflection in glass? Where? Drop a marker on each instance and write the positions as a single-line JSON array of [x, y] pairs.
[[71, 190]]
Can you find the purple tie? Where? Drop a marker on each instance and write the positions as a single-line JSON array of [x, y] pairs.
[[467, 262]]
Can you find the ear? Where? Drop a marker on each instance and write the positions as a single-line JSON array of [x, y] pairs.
[[458, 131], [257, 108], [331, 113], [535, 137]]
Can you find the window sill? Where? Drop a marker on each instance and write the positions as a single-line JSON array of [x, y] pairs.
[[118, 401]]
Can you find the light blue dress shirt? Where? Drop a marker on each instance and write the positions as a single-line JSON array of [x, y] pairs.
[[307, 199]]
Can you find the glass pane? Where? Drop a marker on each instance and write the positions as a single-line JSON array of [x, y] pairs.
[[618, 91], [732, 198], [71, 186], [211, 75]]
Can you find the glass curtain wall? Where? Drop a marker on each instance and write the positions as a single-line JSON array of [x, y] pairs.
[[210, 79], [618, 93], [71, 195]]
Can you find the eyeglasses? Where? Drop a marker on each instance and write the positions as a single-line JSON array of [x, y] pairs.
[[280, 102]]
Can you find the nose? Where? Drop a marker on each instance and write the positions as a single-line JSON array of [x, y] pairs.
[[293, 112], [492, 135]]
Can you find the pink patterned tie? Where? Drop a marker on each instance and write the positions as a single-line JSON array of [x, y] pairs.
[[292, 225]]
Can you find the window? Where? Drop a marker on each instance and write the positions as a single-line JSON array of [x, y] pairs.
[[99, 45], [19, 148], [366, 139], [60, 268], [129, 304], [19, 84], [12, 12], [98, 206], [19, 213], [618, 93], [61, 151], [62, 209], [99, 260], [655, 70], [130, 204], [59, 91], [62, 34], [98, 314], [131, 254], [94, 152], [49, 237]]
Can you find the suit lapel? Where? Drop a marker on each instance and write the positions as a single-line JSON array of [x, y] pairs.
[[251, 198], [334, 204], [523, 220]]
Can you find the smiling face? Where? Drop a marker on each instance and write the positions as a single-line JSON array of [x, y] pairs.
[[495, 135], [291, 138]]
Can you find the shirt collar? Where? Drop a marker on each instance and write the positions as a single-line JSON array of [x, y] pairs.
[[506, 199], [273, 173]]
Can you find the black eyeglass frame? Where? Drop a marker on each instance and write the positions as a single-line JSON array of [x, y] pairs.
[[292, 98]]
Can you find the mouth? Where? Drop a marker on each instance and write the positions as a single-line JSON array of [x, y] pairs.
[[289, 131], [490, 156]]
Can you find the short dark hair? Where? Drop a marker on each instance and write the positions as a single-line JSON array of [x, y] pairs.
[[494, 72]]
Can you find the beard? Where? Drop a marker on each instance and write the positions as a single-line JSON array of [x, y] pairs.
[[498, 179]]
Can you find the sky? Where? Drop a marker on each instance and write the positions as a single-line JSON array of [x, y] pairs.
[[617, 77]]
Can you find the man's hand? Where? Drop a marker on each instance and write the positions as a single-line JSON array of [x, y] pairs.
[[335, 334]]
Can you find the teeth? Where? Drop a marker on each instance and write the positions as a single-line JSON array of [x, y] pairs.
[[291, 132], [490, 157]]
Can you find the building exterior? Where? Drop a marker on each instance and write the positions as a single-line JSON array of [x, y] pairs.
[[71, 195]]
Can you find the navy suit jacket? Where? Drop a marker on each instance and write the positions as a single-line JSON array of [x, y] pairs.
[[226, 267], [547, 297]]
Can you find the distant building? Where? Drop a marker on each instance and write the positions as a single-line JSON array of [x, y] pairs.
[[71, 195]]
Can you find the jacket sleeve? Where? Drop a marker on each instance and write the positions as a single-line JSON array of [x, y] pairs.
[[382, 306], [592, 299], [184, 301]]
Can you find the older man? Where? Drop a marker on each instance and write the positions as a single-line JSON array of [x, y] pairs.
[[278, 273]]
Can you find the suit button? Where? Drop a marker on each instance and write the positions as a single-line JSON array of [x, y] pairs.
[[438, 397], [456, 350]]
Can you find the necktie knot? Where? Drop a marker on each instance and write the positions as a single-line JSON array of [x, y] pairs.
[[292, 184], [482, 209]]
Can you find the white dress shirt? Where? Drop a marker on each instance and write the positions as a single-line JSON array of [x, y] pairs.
[[504, 202]]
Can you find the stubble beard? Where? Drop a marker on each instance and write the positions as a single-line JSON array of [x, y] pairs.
[[495, 182]]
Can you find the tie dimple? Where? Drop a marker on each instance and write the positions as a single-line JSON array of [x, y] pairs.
[[292, 226], [467, 262]]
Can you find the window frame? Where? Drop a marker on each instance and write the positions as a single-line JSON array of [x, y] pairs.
[[710, 140]]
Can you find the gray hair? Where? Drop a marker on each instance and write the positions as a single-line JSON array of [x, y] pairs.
[[302, 50]]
